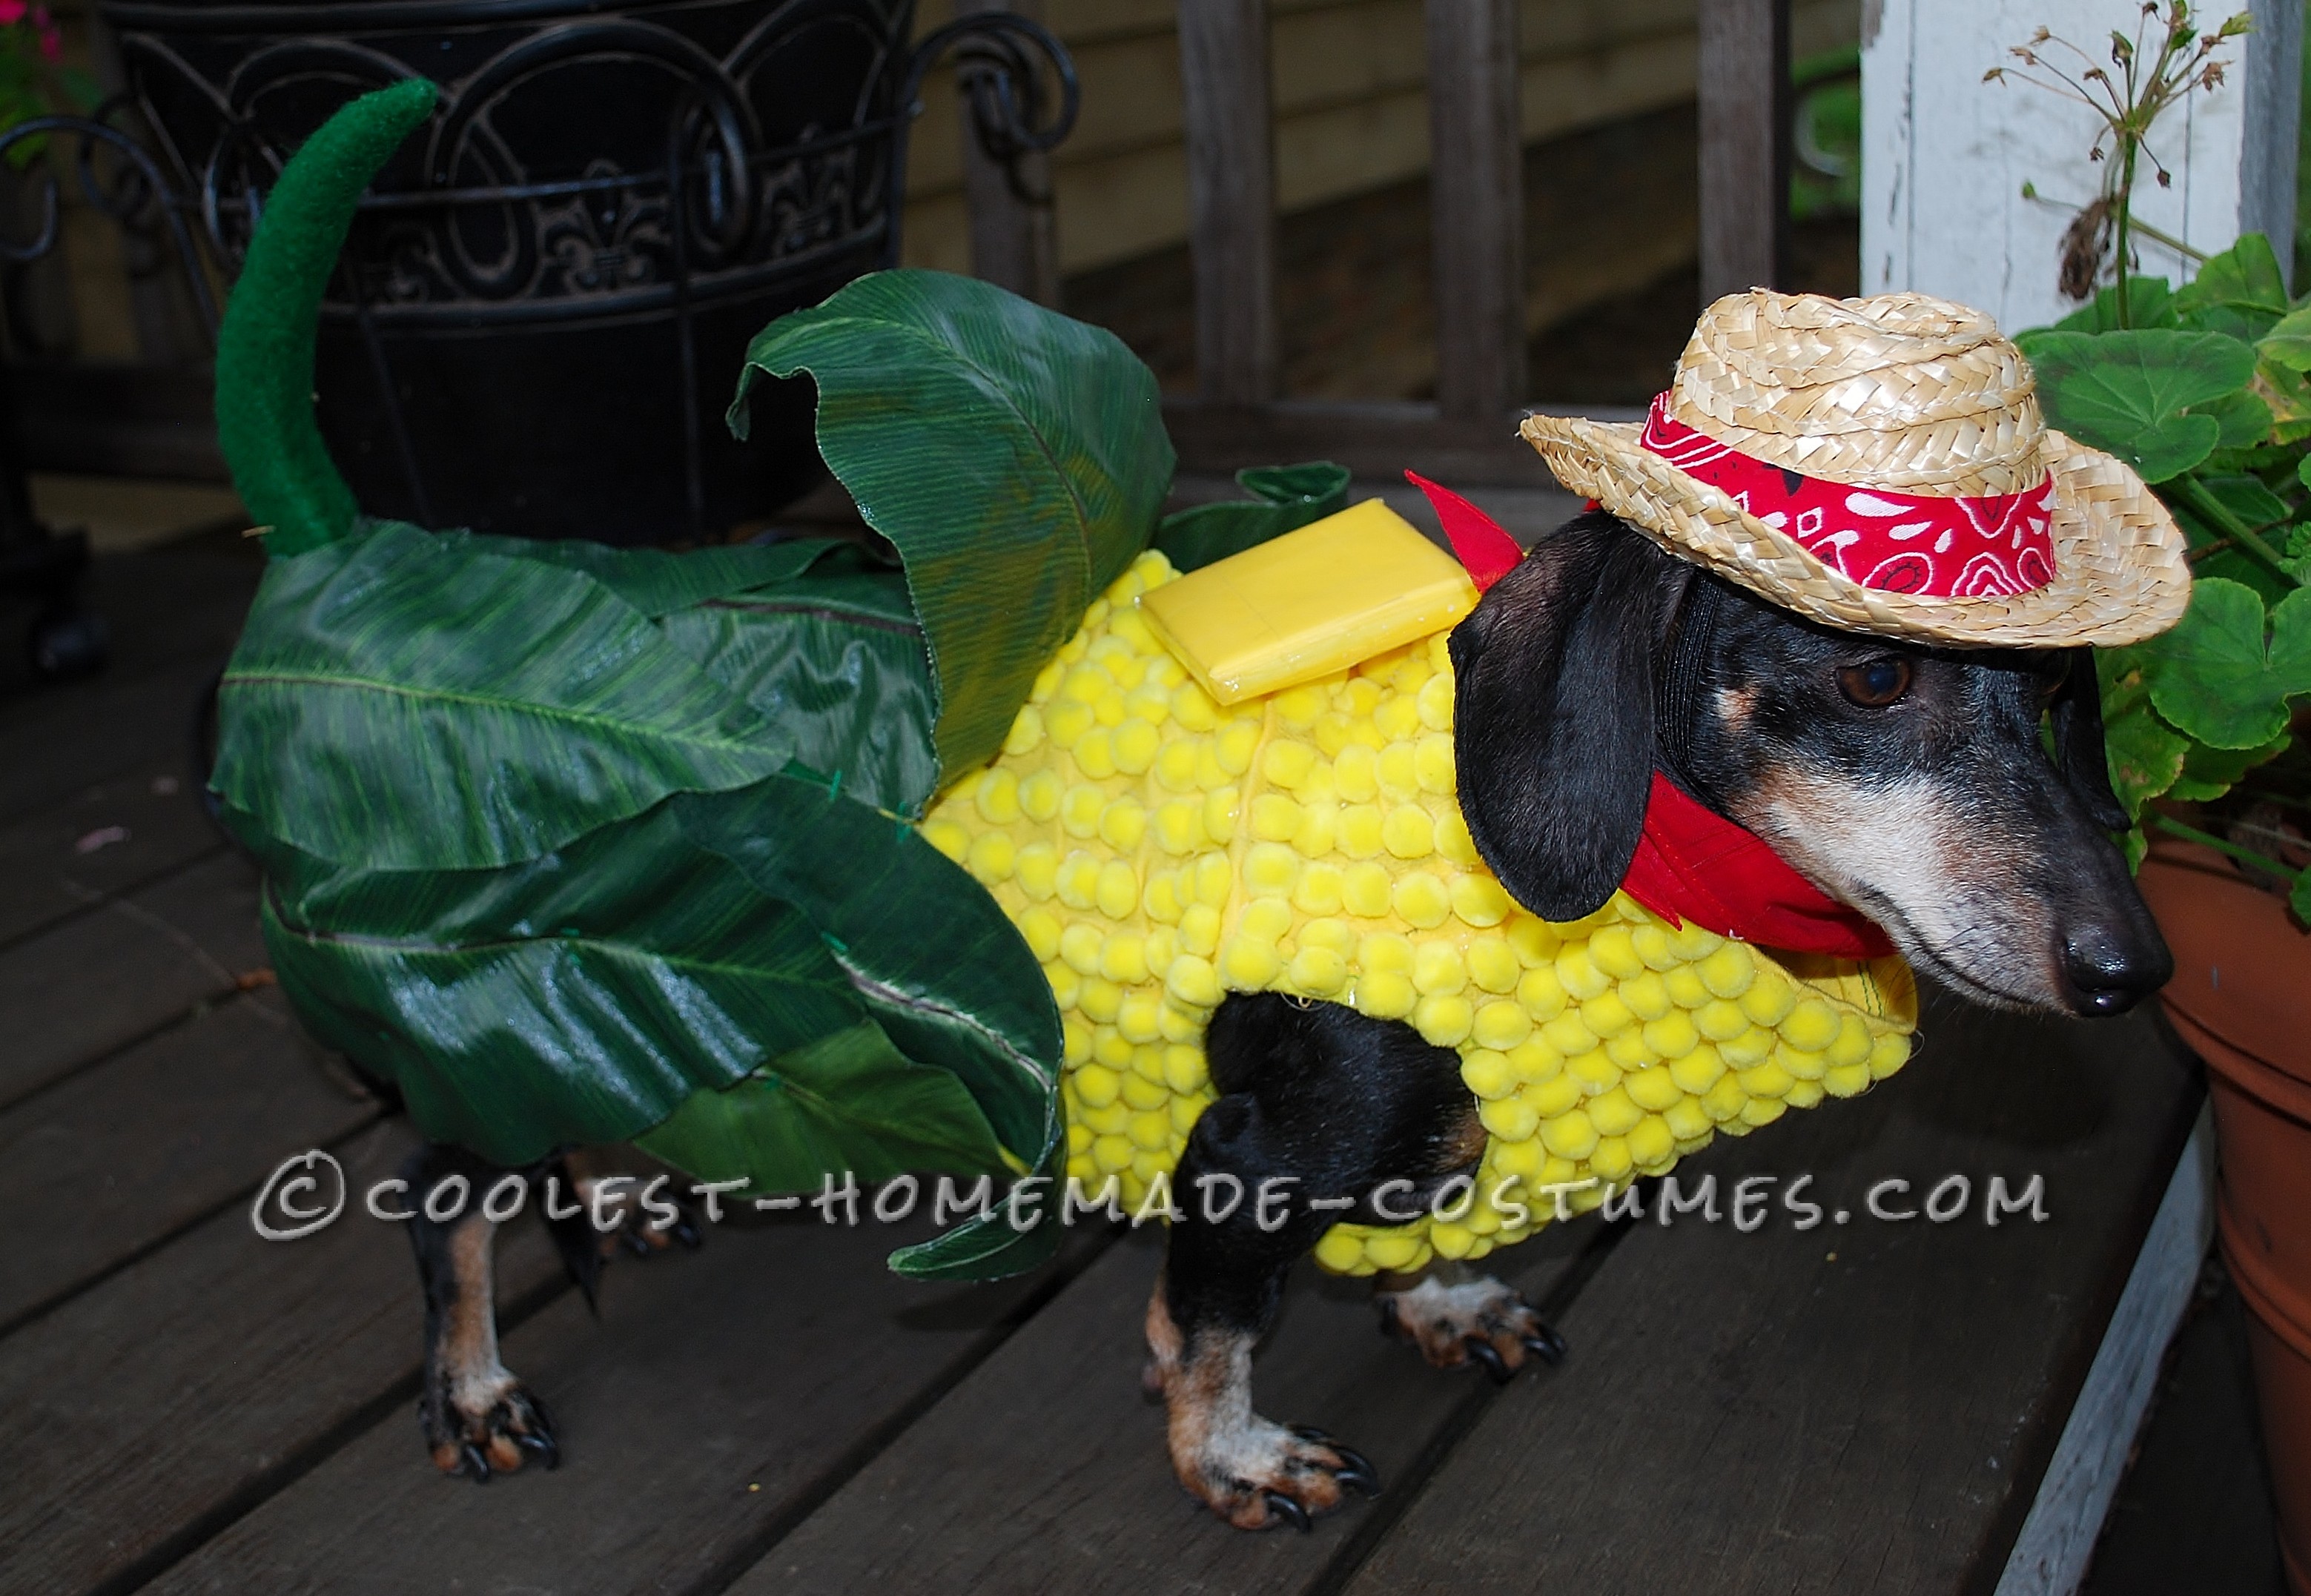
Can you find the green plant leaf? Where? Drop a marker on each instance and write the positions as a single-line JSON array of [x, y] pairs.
[[2128, 392], [848, 1102], [2287, 344], [2144, 754], [2208, 773], [2243, 417], [2150, 299], [408, 702], [1016, 459], [2240, 292], [2246, 497], [1284, 498], [2215, 676], [2299, 899]]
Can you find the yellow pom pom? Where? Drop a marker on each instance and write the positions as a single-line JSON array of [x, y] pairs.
[[1079, 948], [1094, 754], [1355, 772], [1421, 901], [1183, 1068], [1151, 1130], [1387, 953], [1812, 1025], [1480, 901], [1359, 832], [1385, 995], [1270, 868], [1248, 964], [1752, 1046], [1235, 747], [1075, 1033], [1803, 1094], [1453, 841], [1192, 708], [1511, 1119], [1408, 833], [1651, 944], [1535, 1059], [1176, 766], [1135, 745], [998, 797], [1697, 1070], [1581, 979], [1614, 1113], [1800, 1064], [1274, 817], [1493, 964], [1502, 1025], [1121, 824], [1651, 1144], [1095, 1085], [1123, 959], [1762, 1111], [1544, 996], [1725, 1099], [1684, 986], [1199, 930], [1161, 900], [1766, 1080], [1654, 1089], [1693, 943], [1334, 934], [1688, 1120], [1041, 928], [1319, 828], [1719, 1020], [1040, 796], [1141, 1094], [1671, 1036], [1570, 1135], [1488, 1074], [1611, 1162], [1400, 771], [1595, 1070], [1568, 1035], [1080, 809], [1535, 940], [1606, 1015], [1364, 891], [1318, 971], [1728, 971], [1769, 999], [1846, 1080], [1118, 889], [1340, 1250], [1180, 826], [1102, 999], [1443, 1021], [1220, 809], [1318, 889], [1215, 880], [1611, 950], [1068, 721], [1887, 1055], [1287, 764], [948, 837], [1432, 764], [1139, 1020], [1550, 1098], [1191, 981], [1435, 703], [1853, 1044]]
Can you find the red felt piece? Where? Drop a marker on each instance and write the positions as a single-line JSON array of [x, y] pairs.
[[1487, 552], [1694, 865]]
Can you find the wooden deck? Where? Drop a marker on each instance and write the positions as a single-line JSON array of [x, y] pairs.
[[183, 1407]]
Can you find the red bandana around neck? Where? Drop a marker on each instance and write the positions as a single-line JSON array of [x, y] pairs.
[[1695, 865]]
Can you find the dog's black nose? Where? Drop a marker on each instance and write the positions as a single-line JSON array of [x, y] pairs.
[[2112, 968]]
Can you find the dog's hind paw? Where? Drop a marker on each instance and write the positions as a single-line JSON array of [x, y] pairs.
[[1478, 1323], [495, 1436], [1259, 1475]]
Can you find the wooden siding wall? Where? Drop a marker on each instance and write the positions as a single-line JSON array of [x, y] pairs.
[[1350, 83]]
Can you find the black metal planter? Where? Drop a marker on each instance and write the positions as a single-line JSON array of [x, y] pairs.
[[547, 296]]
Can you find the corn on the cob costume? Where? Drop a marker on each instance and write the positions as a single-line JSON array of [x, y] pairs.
[[1159, 850]]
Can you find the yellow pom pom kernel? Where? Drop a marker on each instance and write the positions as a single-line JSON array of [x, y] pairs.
[[1570, 1135], [1287, 764], [1318, 971], [1096, 1085], [1408, 833], [1079, 1140], [1888, 1054], [1386, 953], [1698, 1070], [1193, 982], [948, 837], [1334, 733], [1334, 934], [1769, 999], [1359, 832], [1176, 766], [1595, 1070], [1183, 1068], [1215, 880], [1340, 1250], [1395, 1249], [1725, 1099], [1493, 964], [1581, 979], [1443, 1021], [1628, 1049], [1611, 1162], [1118, 889], [1753, 1046], [1237, 740], [1693, 943], [1318, 889], [1112, 1154], [1163, 946], [998, 797], [1161, 899], [1611, 950], [1036, 869], [1432, 764], [1646, 996], [1452, 1241], [1671, 1036], [1766, 1080], [1319, 828], [1068, 721], [1812, 1025], [1684, 986], [1480, 901], [1551, 1098], [1652, 1142], [1139, 1020], [1355, 772], [1544, 997], [1762, 1111], [1267, 919], [1270, 869], [1183, 1113], [1400, 773], [1274, 817], [1568, 1035], [1193, 708], [1800, 1064], [1502, 1025], [1653, 1089], [1135, 744], [1488, 1074], [1688, 1119], [1220, 809], [1385, 995], [1121, 824], [1421, 901], [1852, 1043], [1151, 703], [1606, 1015], [1534, 940], [1398, 719], [1110, 1048], [1123, 959], [1151, 1131], [1199, 930], [1102, 1001], [1435, 703], [1180, 826], [1803, 1094], [1728, 971], [1075, 1033], [1525, 1160], [1535, 1059], [1079, 948], [1719, 1020], [1040, 796], [1080, 809], [1248, 964], [1298, 707], [1846, 1080], [1047, 682], [1041, 929], [1141, 1094], [1453, 841], [1511, 1119], [1364, 891], [1094, 754], [1651, 944], [1614, 1113]]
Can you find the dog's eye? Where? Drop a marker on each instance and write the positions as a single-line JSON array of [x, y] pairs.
[[1876, 685]]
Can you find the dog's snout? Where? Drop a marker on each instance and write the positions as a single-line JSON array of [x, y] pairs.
[[2110, 968]]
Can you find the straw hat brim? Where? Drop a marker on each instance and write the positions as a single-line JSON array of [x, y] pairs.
[[2120, 575]]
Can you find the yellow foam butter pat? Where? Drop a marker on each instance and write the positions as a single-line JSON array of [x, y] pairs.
[[1321, 599]]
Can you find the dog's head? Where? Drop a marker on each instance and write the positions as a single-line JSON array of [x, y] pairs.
[[1911, 783]]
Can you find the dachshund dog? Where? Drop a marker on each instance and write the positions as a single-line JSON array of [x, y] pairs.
[[1913, 784]]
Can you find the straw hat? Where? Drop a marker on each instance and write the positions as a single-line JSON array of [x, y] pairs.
[[1881, 464]]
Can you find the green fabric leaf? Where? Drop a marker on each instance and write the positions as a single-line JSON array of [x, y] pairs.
[[2215, 676], [408, 702], [2208, 773], [2144, 754], [2150, 299], [848, 1102], [2240, 292], [2128, 392], [1284, 498], [657, 582], [1016, 459]]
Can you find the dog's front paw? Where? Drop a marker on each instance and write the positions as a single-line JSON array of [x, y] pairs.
[[1479, 1321], [480, 1434], [1258, 1475]]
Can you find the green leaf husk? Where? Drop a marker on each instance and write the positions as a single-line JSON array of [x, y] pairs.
[[1284, 499]]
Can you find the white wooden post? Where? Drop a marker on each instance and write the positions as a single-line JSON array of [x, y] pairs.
[[1945, 155]]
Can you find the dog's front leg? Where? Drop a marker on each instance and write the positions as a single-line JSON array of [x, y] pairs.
[[1458, 1316], [478, 1418]]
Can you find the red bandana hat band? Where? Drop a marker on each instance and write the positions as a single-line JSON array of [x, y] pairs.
[[1988, 546]]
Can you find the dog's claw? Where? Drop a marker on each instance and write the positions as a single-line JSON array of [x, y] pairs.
[[1355, 1470], [1494, 1367], [1389, 1329], [1546, 1345], [1285, 1508], [686, 1232], [1310, 1433], [474, 1463]]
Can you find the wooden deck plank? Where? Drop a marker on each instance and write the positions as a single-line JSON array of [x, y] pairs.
[[716, 1399], [1046, 1471], [1865, 1406], [45, 877], [116, 1157], [125, 969], [150, 1411]]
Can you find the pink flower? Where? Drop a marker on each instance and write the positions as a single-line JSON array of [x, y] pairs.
[[11, 11]]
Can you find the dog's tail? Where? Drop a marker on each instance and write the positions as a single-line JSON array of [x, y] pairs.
[[265, 349]]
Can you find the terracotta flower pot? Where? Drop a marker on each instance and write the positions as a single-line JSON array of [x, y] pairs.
[[2241, 997]]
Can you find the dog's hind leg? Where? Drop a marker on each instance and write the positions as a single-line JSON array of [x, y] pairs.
[[1458, 1317], [478, 1419], [1318, 1103]]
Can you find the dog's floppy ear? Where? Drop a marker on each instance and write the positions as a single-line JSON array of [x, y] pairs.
[[2077, 713], [1553, 711]]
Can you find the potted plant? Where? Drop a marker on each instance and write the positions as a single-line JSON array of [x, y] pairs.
[[2206, 390]]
